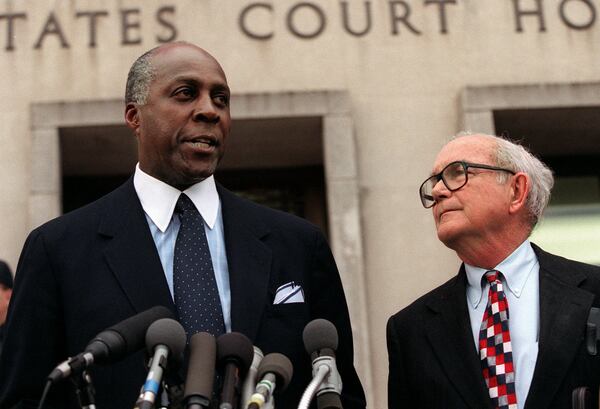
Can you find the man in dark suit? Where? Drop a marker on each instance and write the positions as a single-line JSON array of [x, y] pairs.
[[509, 331], [6, 285], [98, 265]]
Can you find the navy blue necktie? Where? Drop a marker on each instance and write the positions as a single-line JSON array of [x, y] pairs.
[[196, 294]]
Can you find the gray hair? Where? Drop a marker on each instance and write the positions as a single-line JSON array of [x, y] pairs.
[[516, 157], [142, 72], [139, 78]]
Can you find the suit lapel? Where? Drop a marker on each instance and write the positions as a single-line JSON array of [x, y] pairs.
[[249, 263], [131, 253], [449, 332], [563, 313]]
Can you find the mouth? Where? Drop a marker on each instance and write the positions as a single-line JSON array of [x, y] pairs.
[[443, 212], [201, 142]]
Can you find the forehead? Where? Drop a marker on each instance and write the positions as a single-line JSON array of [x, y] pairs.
[[186, 62], [477, 149]]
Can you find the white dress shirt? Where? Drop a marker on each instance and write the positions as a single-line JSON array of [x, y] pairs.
[[158, 201], [520, 273]]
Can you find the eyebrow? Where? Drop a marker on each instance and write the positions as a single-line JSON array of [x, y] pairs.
[[222, 87], [193, 81], [444, 167]]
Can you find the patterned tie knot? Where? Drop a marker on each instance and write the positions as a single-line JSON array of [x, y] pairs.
[[184, 204], [492, 276]]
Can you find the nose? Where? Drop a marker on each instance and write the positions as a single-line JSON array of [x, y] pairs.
[[206, 111], [440, 191]]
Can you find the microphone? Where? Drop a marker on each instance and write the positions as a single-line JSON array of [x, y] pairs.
[[320, 341], [581, 398], [112, 344], [165, 340], [275, 369], [201, 371], [250, 381], [235, 353]]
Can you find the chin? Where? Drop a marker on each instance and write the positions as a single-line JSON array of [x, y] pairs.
[[184, 180], [446, 236], [198, 173]]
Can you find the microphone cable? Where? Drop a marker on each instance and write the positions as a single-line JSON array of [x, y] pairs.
[[84, 389], [45, 393]]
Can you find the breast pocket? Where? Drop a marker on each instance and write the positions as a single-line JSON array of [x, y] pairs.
[[282, 326]]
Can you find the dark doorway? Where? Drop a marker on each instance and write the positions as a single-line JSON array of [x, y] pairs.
[[567, 140], [275, 162]]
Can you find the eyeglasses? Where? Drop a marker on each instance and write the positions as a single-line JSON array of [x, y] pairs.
[[455, 175]]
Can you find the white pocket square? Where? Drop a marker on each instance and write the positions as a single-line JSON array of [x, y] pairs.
[[289, 293]]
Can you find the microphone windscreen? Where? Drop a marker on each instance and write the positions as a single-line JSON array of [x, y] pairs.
[[128, 336], [319, 334], [235, 347], [169, 333], [201, 368], [280, 366]]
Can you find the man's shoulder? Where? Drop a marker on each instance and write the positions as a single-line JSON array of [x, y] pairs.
[[560, 263], [89, 215], [564, 268]]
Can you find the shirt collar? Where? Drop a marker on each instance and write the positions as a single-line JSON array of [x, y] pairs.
[[158, 198], [516, 269]]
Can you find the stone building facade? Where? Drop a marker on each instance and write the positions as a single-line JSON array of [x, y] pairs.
[[339, 109]]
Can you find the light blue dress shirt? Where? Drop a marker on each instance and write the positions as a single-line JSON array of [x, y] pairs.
[[520, 272], [158, 201]]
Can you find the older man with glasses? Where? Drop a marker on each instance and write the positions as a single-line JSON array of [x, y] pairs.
[[516, 328]]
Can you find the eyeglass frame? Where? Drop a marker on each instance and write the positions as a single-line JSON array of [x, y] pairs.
[[466, 165]]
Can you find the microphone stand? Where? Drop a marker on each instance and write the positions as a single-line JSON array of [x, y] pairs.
[[312, 387], [85, 390]]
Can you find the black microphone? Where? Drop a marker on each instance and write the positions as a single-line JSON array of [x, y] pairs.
[[320, 341], [235, 353], [165, 340], [112, 344], [275, 369], [201, 371]]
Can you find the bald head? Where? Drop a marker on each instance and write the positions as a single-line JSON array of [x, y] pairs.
[[487, 195], [178, 109], [143, 70], [514, 156]]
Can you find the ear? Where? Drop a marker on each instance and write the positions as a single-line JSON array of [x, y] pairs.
[[132, 117], [519, 191]]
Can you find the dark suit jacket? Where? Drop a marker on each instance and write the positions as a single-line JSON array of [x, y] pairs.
[[433, 362], [98, 265], [1, 338]]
